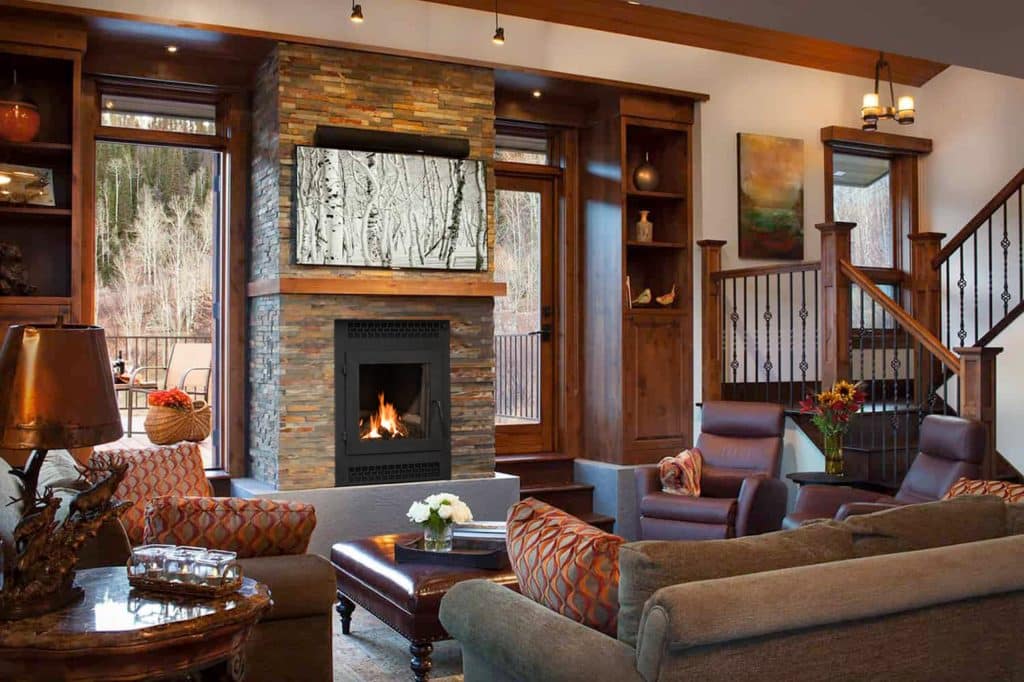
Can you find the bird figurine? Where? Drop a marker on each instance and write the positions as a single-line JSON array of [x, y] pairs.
[[644, 298], [667, 299]]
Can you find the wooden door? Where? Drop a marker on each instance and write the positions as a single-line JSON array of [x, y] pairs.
[[525, 318]]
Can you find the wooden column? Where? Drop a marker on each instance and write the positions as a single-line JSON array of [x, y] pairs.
[[926, 294], [711, 319], [978, 398], [835, 302], [925, 283]]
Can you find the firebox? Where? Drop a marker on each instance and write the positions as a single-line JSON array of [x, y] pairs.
[[392, 401]]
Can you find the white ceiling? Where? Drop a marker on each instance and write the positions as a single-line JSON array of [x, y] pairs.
[[983, 34]]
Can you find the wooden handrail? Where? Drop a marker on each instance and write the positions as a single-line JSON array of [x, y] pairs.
[[764, 270], [997, 329], [980, 219], [902, 317]]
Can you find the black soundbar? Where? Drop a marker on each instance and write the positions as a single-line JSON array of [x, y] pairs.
[[358, 139]]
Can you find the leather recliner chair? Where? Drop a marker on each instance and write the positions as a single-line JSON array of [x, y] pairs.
[[950, 448], [741, 494]]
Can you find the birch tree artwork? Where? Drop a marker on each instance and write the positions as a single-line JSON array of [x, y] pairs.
[[374, 209]]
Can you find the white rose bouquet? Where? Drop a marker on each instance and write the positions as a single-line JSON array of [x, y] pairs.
[[436, 514]]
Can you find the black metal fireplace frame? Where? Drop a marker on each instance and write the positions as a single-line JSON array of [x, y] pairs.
[[375, 342]]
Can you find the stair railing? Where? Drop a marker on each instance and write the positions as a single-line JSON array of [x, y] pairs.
[[907, 374], [981, 270], [760, 330]]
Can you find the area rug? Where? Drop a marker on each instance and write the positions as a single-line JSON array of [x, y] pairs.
[[376, 653]]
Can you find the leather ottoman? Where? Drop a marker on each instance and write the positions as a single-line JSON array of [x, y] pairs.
[[405, 596]]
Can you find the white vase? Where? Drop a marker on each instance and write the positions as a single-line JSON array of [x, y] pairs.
[[644, 228], [434, 541]]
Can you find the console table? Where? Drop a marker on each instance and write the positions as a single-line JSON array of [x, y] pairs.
[[117, 633]]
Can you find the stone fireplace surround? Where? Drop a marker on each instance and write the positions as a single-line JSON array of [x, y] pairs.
[[293, 308]]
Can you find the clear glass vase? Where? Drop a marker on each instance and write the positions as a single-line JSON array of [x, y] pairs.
[[437, 540], [834, 454]]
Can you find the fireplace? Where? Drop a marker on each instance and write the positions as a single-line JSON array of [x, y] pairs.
[[392, 401]]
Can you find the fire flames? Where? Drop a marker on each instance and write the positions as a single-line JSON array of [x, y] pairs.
[[385, 422]]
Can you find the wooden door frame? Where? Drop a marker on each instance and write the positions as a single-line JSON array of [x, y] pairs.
[[232, 142], [515, 439]]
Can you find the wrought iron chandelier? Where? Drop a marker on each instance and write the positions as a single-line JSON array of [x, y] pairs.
[[900, 110]]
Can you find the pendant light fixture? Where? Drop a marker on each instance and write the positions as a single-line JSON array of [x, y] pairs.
[[900, 110], [499, 31], [357, 13]]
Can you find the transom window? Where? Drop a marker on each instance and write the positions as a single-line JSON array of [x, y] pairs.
[[169, 116], [862, 194]]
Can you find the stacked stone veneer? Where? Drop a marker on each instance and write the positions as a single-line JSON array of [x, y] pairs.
[[291, 337]]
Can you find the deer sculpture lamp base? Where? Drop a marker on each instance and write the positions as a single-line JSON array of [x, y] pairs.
[[41, 577]]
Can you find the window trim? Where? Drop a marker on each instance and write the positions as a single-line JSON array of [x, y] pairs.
[[232, 141]]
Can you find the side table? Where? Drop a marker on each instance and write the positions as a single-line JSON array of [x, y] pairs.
[[821, 478], [117, 633]]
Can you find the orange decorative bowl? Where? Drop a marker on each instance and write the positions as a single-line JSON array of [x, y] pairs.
[[19, 121]]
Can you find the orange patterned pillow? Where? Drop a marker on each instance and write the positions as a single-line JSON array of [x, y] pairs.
[[1011, 492], [680, 475], [154, 472], [250, 527], [565, 564]]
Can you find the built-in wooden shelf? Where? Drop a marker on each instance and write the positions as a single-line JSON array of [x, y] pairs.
[[654, 312], [655, 245], [36, 147], [357, 286], [656, 195], [6, 209], [35, 300]]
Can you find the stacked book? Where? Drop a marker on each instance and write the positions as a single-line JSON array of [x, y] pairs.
[[480, 530]]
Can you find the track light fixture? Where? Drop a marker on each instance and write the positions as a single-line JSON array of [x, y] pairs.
[[499, 31], [357, 13]]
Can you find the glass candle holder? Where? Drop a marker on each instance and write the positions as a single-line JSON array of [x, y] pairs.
[[149, 560]]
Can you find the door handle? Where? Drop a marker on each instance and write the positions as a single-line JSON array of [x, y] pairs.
[[545, 332]]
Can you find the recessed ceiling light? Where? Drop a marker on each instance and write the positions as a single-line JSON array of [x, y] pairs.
[[537, 94], [838, 174], [109, 104], [632, 2], [172, 48]]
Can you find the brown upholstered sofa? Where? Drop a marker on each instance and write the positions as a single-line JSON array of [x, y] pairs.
[[741, 494], [949, 448], [292, 644], [928, 591]]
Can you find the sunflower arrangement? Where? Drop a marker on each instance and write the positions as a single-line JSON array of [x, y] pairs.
[[833, 408]]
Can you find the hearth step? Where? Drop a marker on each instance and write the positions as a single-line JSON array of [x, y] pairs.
[[574, 498], [534, 470], [602, 521]]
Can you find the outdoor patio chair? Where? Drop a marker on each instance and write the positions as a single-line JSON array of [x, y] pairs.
[[188, 368]]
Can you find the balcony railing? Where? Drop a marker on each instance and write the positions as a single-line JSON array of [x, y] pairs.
[[517, 376]]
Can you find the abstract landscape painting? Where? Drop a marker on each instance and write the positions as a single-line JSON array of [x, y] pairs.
[[771, 197], [386, 210]]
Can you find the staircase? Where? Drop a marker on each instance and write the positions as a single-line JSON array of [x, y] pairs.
[[549, 478], [778, 333]]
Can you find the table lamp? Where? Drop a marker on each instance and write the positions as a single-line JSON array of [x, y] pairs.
[[56, 392]]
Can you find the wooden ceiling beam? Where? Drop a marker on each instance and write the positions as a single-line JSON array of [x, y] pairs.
[[655, 23]]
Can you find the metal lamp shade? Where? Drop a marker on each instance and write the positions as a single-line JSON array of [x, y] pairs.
[[56, 389]]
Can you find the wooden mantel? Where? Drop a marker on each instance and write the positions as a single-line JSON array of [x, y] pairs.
[[354, 286]]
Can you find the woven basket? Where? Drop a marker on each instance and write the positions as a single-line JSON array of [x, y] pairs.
[[167, 425]]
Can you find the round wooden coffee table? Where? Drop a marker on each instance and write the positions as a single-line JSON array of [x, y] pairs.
[[117, 633]]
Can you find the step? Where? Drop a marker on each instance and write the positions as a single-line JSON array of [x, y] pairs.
[[573, 498], [600, 521], [540, 469]]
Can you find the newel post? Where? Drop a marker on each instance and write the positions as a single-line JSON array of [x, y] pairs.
[[711, 319], [925, 282], [835, 302], [978, 398]]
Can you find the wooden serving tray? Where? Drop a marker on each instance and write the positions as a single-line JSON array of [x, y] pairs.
[[185, 589], [489, 555]]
